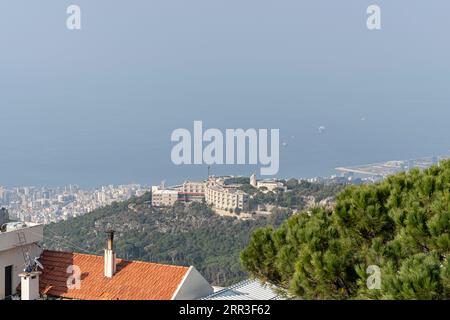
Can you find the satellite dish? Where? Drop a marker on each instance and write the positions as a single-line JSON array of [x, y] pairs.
[[36, 261]]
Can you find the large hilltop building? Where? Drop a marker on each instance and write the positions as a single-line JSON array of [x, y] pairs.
[[225, 197], [164, 197], [267, 185], [216, 191], [189, 191]]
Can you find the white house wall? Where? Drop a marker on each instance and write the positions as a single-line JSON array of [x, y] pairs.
[[193, 286], [15, 258]]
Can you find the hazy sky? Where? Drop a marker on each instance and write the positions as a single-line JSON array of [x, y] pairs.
[[98, 105]]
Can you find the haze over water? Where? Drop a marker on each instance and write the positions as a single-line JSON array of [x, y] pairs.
[[97, 106]]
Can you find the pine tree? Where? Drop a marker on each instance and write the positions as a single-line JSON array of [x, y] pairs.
[[401, 225]]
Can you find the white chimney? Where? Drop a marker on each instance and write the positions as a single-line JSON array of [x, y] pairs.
[[110, 256], [29, 285]]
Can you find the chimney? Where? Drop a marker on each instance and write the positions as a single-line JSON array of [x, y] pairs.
[[110, 256], [29, 285], [4, 217]]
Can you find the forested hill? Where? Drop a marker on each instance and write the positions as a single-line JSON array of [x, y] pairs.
[[191, 235], [182, 235]]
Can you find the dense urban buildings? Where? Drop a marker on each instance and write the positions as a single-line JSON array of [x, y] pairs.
[[45, 205]]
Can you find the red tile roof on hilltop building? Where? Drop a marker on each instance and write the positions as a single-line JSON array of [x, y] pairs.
[[134, 280]]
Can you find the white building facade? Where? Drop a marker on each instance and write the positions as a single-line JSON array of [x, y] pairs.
[[164, 198], [225, 197], [18, 243]]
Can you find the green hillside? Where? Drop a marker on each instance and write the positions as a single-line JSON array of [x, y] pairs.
[[182, 235], [190, 235]]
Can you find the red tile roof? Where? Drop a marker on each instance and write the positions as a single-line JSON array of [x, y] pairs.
[[134, 280]]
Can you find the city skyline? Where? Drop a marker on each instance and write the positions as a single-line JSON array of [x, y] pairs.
[[46, 204]]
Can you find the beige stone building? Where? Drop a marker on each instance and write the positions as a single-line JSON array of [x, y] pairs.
[[164, 198], [194, 187], [268, 185], [189, 191], [225, 197], [271, 185], [215, 192], [192, 191]]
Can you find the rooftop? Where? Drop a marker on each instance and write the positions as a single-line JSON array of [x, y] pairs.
[[134, 280], [18, 234], [245, 290], [16, 225], [166, 191]]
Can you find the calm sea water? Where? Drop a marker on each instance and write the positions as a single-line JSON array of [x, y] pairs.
[[97, 106]]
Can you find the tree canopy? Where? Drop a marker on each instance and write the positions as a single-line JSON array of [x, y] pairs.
[[400, 226]]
